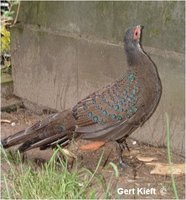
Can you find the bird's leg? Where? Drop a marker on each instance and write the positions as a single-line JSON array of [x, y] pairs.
[[126, 145], [121, 147]]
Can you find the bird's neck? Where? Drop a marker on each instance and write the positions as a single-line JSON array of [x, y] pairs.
[[139, 61], [135, 57]]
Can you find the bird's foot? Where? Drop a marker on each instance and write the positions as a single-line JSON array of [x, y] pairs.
[[122, 163]]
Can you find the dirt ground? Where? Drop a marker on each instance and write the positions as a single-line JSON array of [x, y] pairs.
[[138, 181]]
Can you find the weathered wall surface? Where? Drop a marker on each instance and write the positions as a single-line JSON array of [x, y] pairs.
[[62, 51]]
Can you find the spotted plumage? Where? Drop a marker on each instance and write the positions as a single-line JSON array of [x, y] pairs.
[[117, 102], [111, 113]]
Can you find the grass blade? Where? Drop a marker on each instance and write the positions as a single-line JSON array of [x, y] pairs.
[[169, 155]]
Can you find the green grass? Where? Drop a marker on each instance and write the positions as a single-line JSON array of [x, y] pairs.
[[52, 180], [170, 156]]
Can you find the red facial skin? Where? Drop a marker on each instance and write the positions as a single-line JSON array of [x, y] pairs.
[[137, 32]]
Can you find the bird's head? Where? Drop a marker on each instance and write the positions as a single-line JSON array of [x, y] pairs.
[[132, 37]]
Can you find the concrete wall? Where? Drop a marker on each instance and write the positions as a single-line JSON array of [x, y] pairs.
[[62, 51]]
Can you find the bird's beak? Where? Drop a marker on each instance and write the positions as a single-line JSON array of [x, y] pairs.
[[140, 27]]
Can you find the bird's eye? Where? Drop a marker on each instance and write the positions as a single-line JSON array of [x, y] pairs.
[[135, 37]]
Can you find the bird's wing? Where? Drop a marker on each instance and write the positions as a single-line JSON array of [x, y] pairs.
[[54, 129], [109, 109]]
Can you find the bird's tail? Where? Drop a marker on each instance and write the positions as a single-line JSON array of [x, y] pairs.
[[55, 129]]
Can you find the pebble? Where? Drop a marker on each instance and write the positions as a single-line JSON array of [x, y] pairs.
[[13, 124], [134, 142]]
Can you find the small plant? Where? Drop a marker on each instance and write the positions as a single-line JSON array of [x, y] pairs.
[[8, 19], [5, 40], [9, 14], [53, 180]]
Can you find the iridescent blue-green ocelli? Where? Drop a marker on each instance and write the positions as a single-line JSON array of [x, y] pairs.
[[121, 103]]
